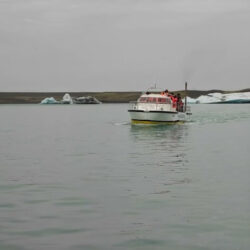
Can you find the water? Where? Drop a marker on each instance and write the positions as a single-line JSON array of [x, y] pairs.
[[81, 177]]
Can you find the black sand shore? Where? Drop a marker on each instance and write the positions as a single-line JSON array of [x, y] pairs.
[[104, 97]]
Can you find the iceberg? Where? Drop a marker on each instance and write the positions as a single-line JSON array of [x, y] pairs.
[[210, 98], [67, 99], [190, 100], [243, 97], [49, 100], [86, 100]]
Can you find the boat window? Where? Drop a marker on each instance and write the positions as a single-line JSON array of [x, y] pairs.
[[164, 100], [153, 100], [143, 99], [161, 100]]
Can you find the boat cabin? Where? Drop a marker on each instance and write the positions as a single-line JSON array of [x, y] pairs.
[[153, 102]]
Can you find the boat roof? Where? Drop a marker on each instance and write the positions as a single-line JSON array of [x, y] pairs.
[[154, 95], [154, 90]]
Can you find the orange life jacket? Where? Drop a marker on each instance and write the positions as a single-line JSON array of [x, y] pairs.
[[174, 102]]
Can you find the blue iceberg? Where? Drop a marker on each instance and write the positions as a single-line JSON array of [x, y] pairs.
[[49, 100]]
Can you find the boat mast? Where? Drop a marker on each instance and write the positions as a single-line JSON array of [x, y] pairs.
[[185, 96]]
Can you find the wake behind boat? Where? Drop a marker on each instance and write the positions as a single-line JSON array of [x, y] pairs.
[[159, 107]]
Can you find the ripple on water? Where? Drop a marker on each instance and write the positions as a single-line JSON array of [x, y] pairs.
[[85, 247], [73, 201], [50, 231], [177, 181], [35, 201], [12, 187], [148, 204], [7, 205], [49, 217], [4, 246], [142, 243]]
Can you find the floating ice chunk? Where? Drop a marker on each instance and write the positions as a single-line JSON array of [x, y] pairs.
[[237, 97], [243, 97], [86, 100], [189, 100], [208, 98], [49, 100], [67, 99]]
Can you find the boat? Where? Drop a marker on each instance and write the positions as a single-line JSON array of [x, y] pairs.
[[156, 107]]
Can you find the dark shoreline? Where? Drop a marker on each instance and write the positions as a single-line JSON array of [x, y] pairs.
[[104, 97]]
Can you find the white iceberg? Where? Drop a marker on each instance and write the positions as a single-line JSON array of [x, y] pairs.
[[190, 100], [51, 100], [243, 97], [67, 99], [210, 98]]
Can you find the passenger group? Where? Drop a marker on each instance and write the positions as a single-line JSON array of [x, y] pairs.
[[176, 100]]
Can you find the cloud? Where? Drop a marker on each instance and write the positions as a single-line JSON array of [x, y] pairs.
[[123, 44]]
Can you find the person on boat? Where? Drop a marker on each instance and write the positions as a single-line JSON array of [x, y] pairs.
[[179, 103], [171, 96], [181, 106], [165, 92], [175, 99]]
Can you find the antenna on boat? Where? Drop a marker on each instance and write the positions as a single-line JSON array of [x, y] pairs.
[[155, 84], [185, 96]]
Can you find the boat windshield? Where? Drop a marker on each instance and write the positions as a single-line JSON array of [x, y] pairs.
[[155, 100]]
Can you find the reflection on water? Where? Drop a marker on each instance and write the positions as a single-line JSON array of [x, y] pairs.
[[164, 141], [162, 149], [161, 133]]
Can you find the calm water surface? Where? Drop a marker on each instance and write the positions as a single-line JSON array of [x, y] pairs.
[[81, 177]]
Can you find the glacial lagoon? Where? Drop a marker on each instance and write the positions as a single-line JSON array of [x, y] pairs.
[[81, 177]]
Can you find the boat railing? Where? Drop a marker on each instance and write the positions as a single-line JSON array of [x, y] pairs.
[[188, 109], [135, 105], [132, 104]]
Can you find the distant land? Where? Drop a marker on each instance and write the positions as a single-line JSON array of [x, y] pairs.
[[104, 97]]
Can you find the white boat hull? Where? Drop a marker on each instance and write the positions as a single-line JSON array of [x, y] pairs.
[[157, 117]]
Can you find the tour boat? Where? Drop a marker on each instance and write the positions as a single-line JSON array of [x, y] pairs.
[[155, 107]]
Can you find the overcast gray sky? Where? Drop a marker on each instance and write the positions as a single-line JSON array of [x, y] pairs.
[[119, 45]]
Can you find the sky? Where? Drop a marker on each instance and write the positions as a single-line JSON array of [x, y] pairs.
[[124, 45]]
